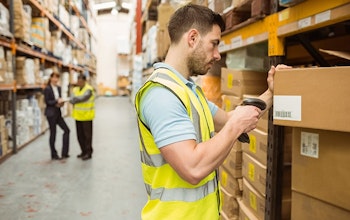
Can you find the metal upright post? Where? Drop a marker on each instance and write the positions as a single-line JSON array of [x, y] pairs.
[[274, 175], [14, 91]]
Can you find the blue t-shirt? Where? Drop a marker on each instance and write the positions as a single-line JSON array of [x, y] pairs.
[[165, 114]]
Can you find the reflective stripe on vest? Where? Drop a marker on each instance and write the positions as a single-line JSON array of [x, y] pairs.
[[182, 194], [165, 188], [84, 111]]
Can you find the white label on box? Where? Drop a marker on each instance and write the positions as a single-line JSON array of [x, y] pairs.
[[287, 107], [322, 17], [309, 144], [303, 23], [236, 42]]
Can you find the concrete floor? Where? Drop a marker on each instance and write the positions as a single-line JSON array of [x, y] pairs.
[[109, 186]]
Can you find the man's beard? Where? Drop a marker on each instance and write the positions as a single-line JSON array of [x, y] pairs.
[[196, 63]]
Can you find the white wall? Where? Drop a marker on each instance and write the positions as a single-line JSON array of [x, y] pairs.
[[113, 34]]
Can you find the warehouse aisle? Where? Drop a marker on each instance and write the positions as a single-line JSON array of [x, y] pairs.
[[107, 187]]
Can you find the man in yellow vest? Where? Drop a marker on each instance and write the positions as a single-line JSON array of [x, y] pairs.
[[179, 152], [83, 101]]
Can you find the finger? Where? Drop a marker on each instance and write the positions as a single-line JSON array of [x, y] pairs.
[[283, 66]]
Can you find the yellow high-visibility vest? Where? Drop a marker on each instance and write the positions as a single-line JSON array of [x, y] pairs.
[[84, 111], [169, 196]]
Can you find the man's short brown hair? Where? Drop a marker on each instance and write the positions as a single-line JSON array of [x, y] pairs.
[[193, 16]]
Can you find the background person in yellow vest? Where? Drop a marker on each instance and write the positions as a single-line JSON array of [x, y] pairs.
[[179, 152], [83, 101]]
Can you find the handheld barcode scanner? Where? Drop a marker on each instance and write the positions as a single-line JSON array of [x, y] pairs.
[[244, 138]]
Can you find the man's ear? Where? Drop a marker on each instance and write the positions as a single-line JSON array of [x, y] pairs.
[[192, 37]]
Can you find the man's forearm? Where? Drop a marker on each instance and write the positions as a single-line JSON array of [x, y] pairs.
[[267, 97], [83, 98]]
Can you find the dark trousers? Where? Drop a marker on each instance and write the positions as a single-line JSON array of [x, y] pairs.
[[84, 133], [53, 121]]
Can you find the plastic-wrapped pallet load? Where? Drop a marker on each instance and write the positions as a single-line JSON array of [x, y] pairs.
[[74, 25], [52, 6], [4, 21], [64, 16], [252, 58], [40, 32], [25, 71], [3, 65], [3, 136], [22, 21]]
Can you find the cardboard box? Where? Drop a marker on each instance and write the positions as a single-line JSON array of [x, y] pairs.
[[305, 208], [165, 11], [229, 204], [162, 48], [233, 160], [257, 146], [235, 170], [229, 183], [253, 204], [255, 173], [253, 200], [211, 88], [233, 18], [230, 102], [240, 82], [244, 211], [313, 98], [223, 216], [260, 8], [320, 165]]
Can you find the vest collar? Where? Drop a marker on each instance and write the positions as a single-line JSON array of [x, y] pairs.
[[190, 83]]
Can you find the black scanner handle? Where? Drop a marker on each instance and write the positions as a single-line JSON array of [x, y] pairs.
[[244, 138]]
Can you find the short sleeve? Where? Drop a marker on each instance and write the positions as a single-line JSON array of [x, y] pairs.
[[166, 117]]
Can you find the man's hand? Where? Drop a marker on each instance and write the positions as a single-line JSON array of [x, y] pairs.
[[245, 117], [271, 74]]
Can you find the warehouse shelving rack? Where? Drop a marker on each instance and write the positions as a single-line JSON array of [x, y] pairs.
[[274, 29], [17, 47]]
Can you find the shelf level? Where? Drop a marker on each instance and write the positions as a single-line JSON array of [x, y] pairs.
[[308, 15], [44, 57]]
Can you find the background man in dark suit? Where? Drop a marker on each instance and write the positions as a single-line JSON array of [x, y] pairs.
[[54, 102]]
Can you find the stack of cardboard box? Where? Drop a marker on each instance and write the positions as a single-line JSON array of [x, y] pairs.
[[22, 20], [314, 103], [235, 84]]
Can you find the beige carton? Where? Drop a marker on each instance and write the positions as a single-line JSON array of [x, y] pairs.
[[313, 98], [240, 82]]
